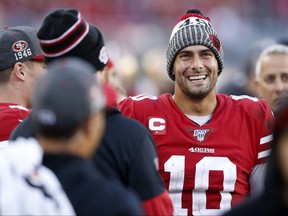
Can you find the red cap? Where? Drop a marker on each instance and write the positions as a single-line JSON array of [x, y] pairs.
[[38, 58]]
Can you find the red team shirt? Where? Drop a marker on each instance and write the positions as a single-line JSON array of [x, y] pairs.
[[206, 168], [10, 116]]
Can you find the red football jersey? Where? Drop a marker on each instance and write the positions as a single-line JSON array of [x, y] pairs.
[[206, 168], [10, 116]]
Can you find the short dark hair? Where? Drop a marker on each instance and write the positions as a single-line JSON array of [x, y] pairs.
[[5, 75]]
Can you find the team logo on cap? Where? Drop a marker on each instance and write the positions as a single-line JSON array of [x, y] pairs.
[[19, 45], [103, 56], [215, 41]]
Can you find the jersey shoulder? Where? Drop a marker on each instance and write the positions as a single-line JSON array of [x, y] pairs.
[[8, 111], [141, 99], [254, 113], [250, 105], [134, 105], [10, 116]]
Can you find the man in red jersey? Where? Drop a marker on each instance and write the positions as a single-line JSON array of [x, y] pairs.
[[211, 148], [21, 63]]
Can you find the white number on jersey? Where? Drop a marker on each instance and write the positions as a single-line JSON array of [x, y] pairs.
[[142, 97], [176, 166]]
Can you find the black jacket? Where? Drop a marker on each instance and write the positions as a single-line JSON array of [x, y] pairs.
[[88, 192], [128, 153]]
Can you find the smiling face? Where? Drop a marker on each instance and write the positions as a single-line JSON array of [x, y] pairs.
[[196, 72]]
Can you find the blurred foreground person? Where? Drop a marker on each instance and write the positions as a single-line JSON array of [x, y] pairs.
[[26, 186], [68, 113], [274, 199]]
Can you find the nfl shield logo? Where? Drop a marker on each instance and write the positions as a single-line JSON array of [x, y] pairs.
[[200, 134]]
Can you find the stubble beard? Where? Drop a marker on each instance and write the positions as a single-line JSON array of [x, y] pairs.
[[199, 93]]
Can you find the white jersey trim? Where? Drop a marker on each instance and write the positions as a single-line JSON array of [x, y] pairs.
[[266, 139], [263, 154]]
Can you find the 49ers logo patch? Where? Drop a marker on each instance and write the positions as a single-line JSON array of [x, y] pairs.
[[103, 56], [21, 50], [215, 41], [19, 46]]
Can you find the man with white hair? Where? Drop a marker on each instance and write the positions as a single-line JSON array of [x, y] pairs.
[[272, 74]]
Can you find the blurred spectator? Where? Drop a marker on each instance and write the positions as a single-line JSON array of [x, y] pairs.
[[21, 64], [244, 82], [271, 74], [154, 80], [69, 137], [128, 68]]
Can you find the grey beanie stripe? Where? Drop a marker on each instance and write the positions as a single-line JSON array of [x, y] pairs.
[[184, 36], [183, 39], [178, 42], [202, 35], [193, 29]]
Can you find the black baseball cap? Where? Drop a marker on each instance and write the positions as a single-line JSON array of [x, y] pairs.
[[18, 44], [65, 97]]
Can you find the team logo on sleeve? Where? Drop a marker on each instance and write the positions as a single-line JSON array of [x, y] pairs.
[[200, 134]]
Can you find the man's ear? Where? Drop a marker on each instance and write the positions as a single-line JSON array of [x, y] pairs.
[[19, 70], [173, 72]]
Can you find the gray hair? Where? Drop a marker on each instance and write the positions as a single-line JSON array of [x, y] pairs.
[[275, 49]]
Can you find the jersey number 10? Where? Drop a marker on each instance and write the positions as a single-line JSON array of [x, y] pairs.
[[176, 166]]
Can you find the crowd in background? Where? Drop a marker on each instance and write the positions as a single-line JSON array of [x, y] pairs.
[[137, 31], [136, 35]]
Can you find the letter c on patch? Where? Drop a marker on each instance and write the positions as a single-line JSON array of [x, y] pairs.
[[157, 125]]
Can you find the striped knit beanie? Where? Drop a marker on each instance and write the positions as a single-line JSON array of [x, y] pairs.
[[65, 33], [193, 29]]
